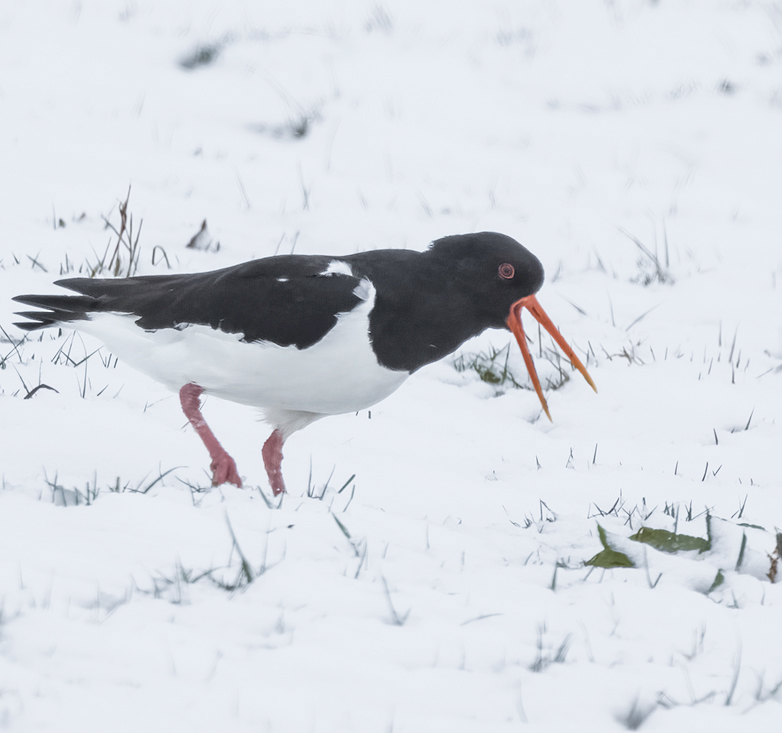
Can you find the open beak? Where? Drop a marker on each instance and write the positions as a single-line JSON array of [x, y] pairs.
[[514, 323]]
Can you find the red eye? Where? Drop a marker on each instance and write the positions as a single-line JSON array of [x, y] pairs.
[[506, 271]]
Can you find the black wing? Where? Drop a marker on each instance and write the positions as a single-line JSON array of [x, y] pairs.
[[286, 300]]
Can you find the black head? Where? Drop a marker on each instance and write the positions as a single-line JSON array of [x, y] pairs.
[[503, 278], [428, 304], [495, 269]]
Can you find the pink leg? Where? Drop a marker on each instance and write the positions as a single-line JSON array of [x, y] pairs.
[[272, 459], [223, 466]]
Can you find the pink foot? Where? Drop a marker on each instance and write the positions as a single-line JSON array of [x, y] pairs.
[[224, 470], [272, 459], [223, 466]]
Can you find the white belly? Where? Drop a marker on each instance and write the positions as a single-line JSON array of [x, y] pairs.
[[338, 374]]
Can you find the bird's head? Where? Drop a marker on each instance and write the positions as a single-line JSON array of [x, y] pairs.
[[504, 276]]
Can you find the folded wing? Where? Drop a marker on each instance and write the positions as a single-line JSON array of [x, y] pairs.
[[289, 300]]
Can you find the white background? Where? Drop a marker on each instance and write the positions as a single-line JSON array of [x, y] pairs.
[[460, 601]]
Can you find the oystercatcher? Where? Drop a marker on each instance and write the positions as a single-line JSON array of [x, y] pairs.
[[301, 336]]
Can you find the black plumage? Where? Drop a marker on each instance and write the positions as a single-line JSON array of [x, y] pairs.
[[427, 303], [284, 300]]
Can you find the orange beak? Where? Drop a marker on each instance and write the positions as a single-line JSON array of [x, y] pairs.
[[514, 323]]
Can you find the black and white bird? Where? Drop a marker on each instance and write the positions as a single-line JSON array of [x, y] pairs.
[[305, 336]]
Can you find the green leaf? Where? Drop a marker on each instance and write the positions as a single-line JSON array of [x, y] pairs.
[[608, 557], [719, 579], [665, 541]]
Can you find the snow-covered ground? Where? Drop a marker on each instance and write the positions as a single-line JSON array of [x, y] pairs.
[[426, 570]]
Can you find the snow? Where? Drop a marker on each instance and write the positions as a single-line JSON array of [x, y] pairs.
[[444, 587]]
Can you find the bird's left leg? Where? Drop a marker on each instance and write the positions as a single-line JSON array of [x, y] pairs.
[[223, 466], [272, 459]]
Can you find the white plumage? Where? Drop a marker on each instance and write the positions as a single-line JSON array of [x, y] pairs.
[[277, 379]]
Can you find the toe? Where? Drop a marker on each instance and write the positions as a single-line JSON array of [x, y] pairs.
[[224, 471]]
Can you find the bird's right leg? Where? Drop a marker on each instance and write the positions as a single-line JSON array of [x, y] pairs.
[[223, 466]]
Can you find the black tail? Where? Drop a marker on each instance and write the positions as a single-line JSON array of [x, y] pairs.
[[60, 309], [122, 295]]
